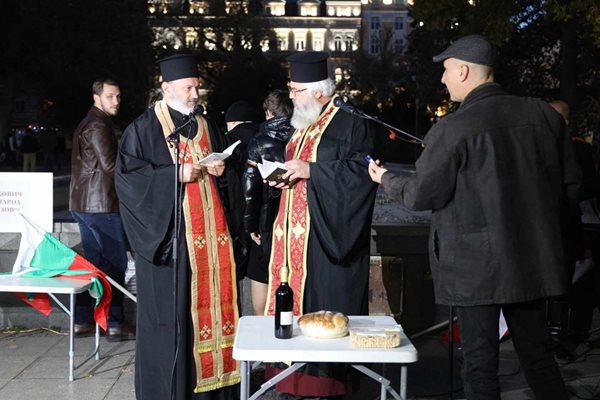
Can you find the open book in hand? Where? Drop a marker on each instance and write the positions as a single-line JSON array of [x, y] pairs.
[[212, 157], [272, 171]]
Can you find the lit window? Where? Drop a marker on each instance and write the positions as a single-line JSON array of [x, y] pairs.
[[337, 43], [349, 42]]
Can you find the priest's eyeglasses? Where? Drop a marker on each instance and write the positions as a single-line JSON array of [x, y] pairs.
[[294, 91]]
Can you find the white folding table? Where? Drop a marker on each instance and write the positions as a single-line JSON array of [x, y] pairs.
[[255, 341], [52, 286]]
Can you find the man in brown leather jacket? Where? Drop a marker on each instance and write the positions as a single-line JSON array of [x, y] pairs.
[[94, 205]]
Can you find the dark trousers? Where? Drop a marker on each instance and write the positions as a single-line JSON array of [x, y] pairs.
[[480, 347], [104, 245]]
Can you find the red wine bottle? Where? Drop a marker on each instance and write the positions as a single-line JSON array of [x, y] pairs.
[[284, 303]]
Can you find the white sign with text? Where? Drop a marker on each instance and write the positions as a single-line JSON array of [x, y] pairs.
[[29, 193]]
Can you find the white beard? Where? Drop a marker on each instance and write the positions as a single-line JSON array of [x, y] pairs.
[[304, 116], [180, 106]]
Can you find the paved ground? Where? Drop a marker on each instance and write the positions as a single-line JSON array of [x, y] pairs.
[[34, 365]]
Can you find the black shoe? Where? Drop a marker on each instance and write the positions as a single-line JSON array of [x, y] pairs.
[[118, 333], [81, 330]]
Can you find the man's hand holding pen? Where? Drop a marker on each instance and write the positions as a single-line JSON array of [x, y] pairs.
[[375, 170]]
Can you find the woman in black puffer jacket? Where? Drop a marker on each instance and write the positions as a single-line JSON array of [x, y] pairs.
[[262, 200]]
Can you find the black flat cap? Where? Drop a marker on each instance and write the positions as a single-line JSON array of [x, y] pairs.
[[309, 66], [240, 111], [178, 67], [473, 48]]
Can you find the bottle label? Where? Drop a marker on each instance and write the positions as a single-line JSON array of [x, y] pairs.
[[286, 318]]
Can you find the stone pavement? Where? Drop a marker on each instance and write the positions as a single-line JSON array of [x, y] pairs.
[[34, 365]]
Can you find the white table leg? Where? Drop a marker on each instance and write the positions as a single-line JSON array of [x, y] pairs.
[[71, 337], [403, 372], [245, 381]]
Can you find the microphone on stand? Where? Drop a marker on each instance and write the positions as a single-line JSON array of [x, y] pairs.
[[350, 109], [198, 109]]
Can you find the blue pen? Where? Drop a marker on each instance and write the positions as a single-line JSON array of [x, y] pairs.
[[369, 159]]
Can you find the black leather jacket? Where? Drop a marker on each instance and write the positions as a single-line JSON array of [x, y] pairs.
[[262, 201]]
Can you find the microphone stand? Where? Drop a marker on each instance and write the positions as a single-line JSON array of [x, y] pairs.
[[351, 110], [173, 140], [415, 139]]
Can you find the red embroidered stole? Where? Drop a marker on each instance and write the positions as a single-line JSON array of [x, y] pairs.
[[292, 225], [213, 288]]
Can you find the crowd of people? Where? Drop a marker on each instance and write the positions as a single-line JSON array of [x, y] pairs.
[[500, 175]]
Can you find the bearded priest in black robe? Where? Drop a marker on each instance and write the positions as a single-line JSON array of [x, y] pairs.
[[322, 231], [198, 328]]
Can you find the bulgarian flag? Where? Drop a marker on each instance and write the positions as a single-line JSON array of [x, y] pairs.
[[42, 255]]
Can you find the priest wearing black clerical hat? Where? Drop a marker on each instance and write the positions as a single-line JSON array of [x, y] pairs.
[[183, 348], [322, 230]]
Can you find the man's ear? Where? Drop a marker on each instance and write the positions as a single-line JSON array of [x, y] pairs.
[[164, 86], [318, 95], [464, 72]]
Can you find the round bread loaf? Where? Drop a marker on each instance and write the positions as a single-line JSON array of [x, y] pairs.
[[324, 325]]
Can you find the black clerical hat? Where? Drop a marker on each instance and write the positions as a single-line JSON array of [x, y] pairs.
[[178, 67], [472, 48], [309, 66]]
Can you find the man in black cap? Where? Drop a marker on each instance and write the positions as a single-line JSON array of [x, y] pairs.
[[241, 120], [322, 230], [497, 174], [206, 311]]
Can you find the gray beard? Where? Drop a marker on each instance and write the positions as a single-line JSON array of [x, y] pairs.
[[304, 116]]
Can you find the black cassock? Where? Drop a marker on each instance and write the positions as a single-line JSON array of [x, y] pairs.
[[144, 181], [341, 197]]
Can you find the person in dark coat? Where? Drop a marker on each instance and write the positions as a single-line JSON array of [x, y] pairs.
[[241, 119], [187, 317], [322, 231], [262, 201], [497, 174]]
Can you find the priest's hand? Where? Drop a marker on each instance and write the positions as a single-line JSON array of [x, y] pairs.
[[189, 172], [216, 168], [255, 236], [296, 169], [376, 171]]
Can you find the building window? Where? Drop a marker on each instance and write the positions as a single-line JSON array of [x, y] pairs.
[[349, 42], [374, 44], [299, 44], [399, 23], [374, 23], [191, 39], [317, 44], [337, 43], [282, 44]]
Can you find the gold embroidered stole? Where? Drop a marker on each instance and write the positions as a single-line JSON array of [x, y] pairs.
[[213, 287], [292, 225]]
